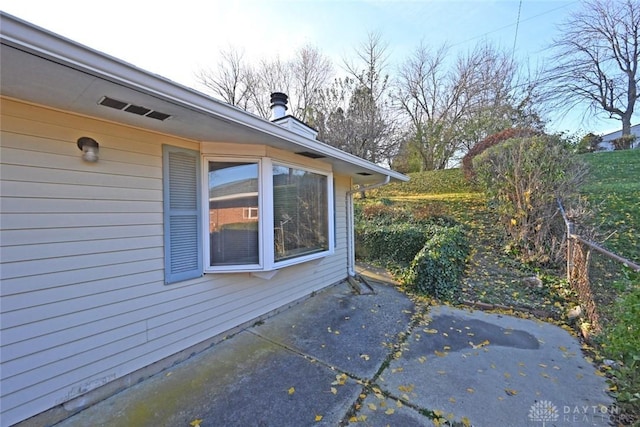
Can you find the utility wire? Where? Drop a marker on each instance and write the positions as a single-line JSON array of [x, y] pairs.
[[515, 37], [511, 25]]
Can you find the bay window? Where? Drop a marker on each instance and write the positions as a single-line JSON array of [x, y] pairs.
[[262, 214]]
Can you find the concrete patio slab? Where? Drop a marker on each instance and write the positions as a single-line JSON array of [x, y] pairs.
[[338, 359], [492, 369]]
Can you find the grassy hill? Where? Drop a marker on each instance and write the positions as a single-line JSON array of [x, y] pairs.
[[613, 192], [495, 277]]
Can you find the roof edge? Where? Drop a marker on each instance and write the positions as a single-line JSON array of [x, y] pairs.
[[42, 42]]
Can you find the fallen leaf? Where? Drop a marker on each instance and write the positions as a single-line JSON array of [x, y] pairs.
[[195, 423], [470, 390], [482, 344], [291, 390], [318, 418], [406, 388], [452, 399], [389, 411], [466, 422], [422, 359], [364, 356], [510, 391], [341, 379], [440, 354], [334, 390], [431, 331], [372, 406], [353, 419]]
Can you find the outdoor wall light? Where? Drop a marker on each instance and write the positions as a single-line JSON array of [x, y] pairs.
[[89, 147]]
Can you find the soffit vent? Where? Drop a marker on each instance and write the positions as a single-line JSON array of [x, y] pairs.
[[364, 173], [311, 155], [134, 109]]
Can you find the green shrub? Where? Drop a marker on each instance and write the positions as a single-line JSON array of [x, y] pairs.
[[393, 245], [588, 143], [438, 268], [524, 178], [624, 142]]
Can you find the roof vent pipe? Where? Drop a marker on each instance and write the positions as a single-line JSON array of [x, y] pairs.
[[278, 105]]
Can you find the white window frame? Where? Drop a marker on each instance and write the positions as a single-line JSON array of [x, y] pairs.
[[266, 237]]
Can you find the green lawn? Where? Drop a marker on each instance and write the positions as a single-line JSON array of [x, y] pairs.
[[493, 276], [613, 192]]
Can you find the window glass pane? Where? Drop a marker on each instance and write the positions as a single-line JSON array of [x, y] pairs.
[[300, 208], [233, 213]]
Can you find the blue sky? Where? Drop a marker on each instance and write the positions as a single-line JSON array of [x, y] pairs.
[[177, 38]]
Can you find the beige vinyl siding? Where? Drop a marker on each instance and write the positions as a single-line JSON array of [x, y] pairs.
[[83, 298]]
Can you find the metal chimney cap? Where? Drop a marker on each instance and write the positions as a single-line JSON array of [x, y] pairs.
[[279, 98], [278, 105]]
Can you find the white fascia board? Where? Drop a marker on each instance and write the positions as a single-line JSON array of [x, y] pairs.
[[21, 34]]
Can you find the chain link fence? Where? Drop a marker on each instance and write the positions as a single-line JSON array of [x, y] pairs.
[[585, 260]]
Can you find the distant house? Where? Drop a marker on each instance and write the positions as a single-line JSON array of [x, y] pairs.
[[607, 145], [142, 221]]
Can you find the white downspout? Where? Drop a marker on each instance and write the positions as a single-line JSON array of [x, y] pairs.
[[351, 245]]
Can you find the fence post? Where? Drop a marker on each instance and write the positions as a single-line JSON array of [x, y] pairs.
[[570, 244]]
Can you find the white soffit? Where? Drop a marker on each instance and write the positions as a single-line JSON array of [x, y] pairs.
[[41, 67]]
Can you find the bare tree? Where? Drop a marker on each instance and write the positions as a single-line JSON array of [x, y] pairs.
[[595, 60], [450, 107], [229, 80], [267, 77], [357, 115], [311, 73], [237, 82], [424, 93]]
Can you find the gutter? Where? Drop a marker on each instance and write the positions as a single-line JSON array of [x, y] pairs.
[[351, 244], [34, 40]]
